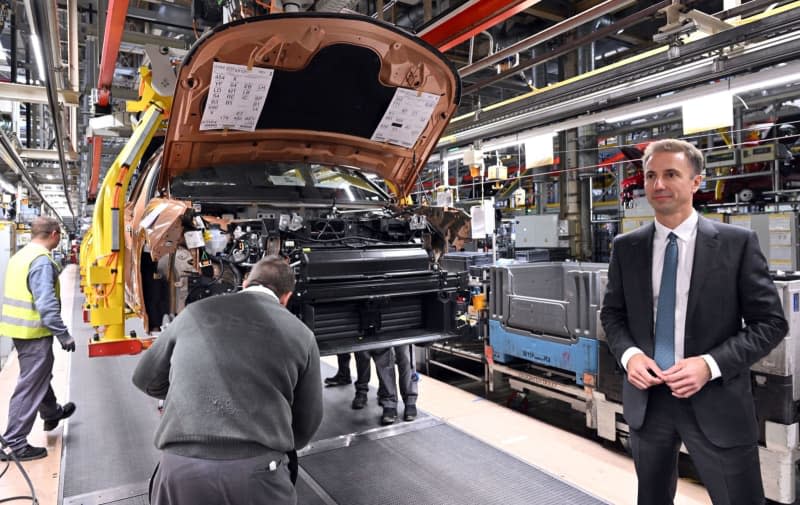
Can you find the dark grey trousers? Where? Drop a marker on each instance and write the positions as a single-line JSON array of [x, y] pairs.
[[406, 373], [385, 360], [363, 372], [253, 481], [343, 361], [33, 392], [384, 367]]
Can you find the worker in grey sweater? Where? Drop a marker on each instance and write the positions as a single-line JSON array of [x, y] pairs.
[[241, 378]]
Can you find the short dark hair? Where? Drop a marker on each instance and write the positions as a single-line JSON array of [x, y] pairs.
[[694, 155], [43, 226], [273, 272]]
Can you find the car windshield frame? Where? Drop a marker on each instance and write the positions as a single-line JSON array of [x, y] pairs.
[[288, 182]]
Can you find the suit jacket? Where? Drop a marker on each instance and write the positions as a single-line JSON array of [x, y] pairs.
[[733, 313]]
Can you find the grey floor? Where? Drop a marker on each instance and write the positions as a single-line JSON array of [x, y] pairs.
[[109, 441]]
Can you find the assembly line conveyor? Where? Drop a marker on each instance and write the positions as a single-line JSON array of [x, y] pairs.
[[109, 454]]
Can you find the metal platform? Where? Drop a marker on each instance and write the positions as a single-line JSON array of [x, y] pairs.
[[109, 454]]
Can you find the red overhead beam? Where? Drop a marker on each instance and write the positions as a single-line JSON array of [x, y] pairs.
[[470, 19], [112, 37], [97, 152]]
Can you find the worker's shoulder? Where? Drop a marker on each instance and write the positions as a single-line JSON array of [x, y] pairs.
[[725, 230], [634, 236], [41, 261], [271, 310]]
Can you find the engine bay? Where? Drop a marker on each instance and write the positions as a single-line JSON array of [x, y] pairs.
[[218, 243]]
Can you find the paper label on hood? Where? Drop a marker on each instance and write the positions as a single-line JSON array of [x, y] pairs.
[[235, 97], [407, 115]]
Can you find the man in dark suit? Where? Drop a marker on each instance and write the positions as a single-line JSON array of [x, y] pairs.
[[689, 307]]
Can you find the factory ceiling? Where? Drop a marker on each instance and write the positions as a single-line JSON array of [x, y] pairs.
[[68, 66]]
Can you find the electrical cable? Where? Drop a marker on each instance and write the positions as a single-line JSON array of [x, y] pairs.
[[235, 273], [32, 497]]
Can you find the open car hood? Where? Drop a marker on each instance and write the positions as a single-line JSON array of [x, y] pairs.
[[332, 89]]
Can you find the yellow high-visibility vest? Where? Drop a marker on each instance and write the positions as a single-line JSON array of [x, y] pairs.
[[19, 316]]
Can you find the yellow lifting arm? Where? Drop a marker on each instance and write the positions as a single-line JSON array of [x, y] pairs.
[[103, 248], [105, 251]]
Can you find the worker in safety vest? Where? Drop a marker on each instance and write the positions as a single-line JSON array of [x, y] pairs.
[[31, 315]]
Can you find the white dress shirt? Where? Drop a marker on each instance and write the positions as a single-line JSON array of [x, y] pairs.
[[687, 237]]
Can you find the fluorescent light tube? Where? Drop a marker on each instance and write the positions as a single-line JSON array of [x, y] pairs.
[[37, 51]]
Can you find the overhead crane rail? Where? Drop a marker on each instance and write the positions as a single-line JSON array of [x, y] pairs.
[[493, 120]]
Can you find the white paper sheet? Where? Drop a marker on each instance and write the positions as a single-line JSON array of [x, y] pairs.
[[236, 97], [405, 118]]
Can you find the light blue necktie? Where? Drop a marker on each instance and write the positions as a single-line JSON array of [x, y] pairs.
[[665, 316]]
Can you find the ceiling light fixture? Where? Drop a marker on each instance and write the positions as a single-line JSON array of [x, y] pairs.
[[7, 186], [734, 86], [642, 112], [769, 83], [37, 51]]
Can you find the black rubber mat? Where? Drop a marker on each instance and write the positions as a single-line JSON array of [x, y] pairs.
[[133, 494], [435, 466], [306, 495], [110, 438], [109, 441]]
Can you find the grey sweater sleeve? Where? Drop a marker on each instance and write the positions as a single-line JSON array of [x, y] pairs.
[[152, 372], [41, 282], [307, 404]]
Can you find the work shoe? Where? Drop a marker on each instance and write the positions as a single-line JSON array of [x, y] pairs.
[[27, 453], [359, 402], [389, 416], [410, 413], [338, 380], [67, 410]]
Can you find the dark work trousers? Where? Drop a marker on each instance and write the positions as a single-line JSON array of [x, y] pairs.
[[362, 367], [33, 392], [384, 367], [732, 476], [253, 481], [343, 361], [406, 373]]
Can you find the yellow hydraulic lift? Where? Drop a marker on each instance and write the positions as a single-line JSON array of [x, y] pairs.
[[103, 247], [83, 253]]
